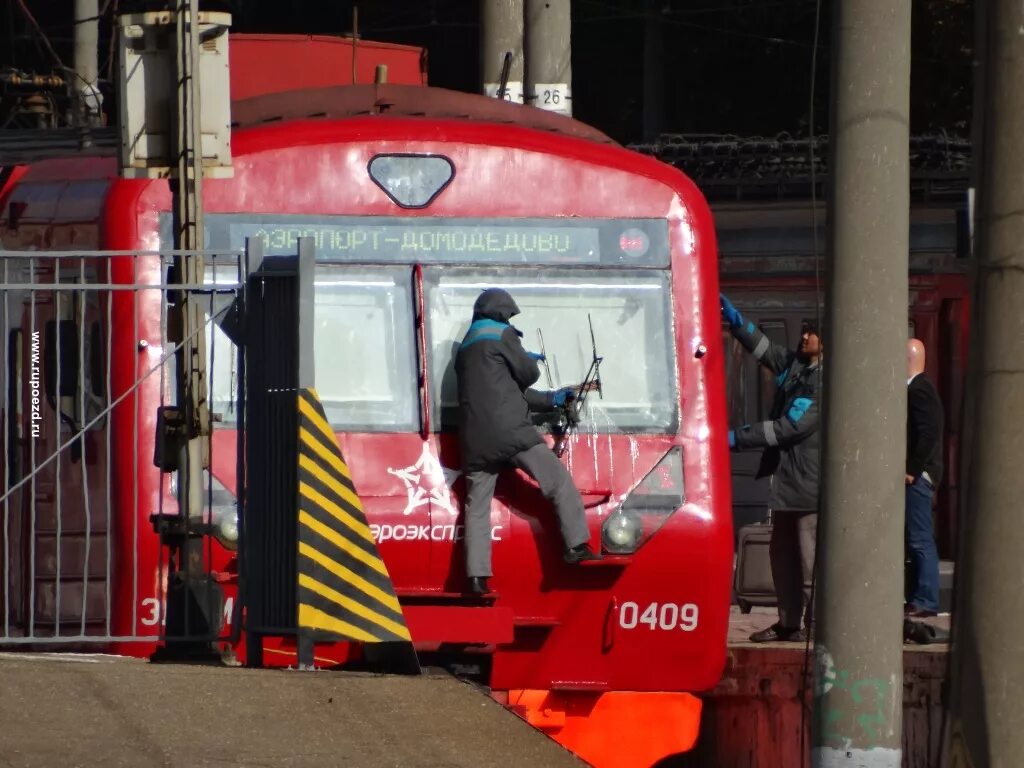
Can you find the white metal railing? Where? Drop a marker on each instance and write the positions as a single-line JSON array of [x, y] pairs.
[[87, 360]]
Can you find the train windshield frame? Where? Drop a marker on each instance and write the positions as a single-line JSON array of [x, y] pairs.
[[366, 311], [631, 314]]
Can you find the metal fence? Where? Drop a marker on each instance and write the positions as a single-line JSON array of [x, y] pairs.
[[89, 347]]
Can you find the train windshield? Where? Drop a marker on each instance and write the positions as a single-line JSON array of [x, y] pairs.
[[365, 356], [630, 312]]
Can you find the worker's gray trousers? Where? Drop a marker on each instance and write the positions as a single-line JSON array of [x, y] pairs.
[[791, 550], [555, 483]]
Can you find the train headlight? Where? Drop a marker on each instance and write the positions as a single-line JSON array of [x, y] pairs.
[[621, 532], [225, 526], [647, 506]]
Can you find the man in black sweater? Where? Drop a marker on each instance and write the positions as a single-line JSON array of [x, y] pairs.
[[923, 474]]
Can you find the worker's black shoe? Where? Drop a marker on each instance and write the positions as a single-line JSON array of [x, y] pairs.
[[478, 585], [579, 553], [777, 633]]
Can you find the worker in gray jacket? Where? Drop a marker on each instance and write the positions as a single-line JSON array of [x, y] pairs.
[[494, 375], [790, 443]]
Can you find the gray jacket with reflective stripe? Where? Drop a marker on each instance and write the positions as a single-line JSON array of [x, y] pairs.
[[494, 375], [790, 436]]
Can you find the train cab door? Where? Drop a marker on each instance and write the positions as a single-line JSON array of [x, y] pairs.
[[751, 387], [63, 425]]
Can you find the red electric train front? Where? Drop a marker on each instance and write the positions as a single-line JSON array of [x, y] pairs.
[[416, 200]]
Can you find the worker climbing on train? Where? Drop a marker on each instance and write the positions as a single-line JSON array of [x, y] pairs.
[[494, 374], [791, 454]]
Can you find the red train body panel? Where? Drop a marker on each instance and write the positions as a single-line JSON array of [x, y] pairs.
[[265, 64]]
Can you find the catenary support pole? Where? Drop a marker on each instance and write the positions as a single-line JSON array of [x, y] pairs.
[[548, 60], [187, 189], [87, 40], [501, 32], [187, 193], [859, 645], [986, 722]]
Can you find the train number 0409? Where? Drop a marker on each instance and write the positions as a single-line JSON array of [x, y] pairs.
[[667, 616]]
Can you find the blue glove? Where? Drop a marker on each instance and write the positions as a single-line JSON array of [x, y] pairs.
[[565, 393], [536, 356], [729, 312], [732, 438]]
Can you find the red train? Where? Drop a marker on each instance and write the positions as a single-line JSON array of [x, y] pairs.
[[416, 199]]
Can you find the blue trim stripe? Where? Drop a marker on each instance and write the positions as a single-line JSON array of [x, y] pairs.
[[797, 410], [483, 330]]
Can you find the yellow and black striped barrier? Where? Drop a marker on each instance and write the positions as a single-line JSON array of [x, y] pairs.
[[344, 588]]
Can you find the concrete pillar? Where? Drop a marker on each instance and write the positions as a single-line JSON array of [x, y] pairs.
[[548, 59], [986, 724], [501, 32], [859, 641], [87, 59]]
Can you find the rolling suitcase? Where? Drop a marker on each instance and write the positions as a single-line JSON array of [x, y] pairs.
[[753, 583]]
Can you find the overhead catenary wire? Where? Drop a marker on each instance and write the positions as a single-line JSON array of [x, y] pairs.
[[39, 31], [45, 40]]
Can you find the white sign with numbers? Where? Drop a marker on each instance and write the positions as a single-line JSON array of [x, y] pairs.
[[554, 97], [513, 91], [663, 616]]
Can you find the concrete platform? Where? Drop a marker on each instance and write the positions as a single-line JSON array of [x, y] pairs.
[[82, 710], [742, 625], [95, 710]]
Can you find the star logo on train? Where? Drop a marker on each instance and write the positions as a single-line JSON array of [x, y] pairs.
[[427, 482]]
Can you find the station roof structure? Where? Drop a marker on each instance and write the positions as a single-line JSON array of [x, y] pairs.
[[728, 167]]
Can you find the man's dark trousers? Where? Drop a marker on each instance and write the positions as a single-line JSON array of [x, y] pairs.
[[924, 557], [791, 549]]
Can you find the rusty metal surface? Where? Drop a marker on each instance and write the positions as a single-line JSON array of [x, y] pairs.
[[754, 719]]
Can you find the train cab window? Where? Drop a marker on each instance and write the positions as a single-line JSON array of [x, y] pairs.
[[60, 359], [364, 347], [221, 373], [97, 361], [632, 322], [91, 399], [75, 346]]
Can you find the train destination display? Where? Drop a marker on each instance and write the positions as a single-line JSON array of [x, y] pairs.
[[636, 242]]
